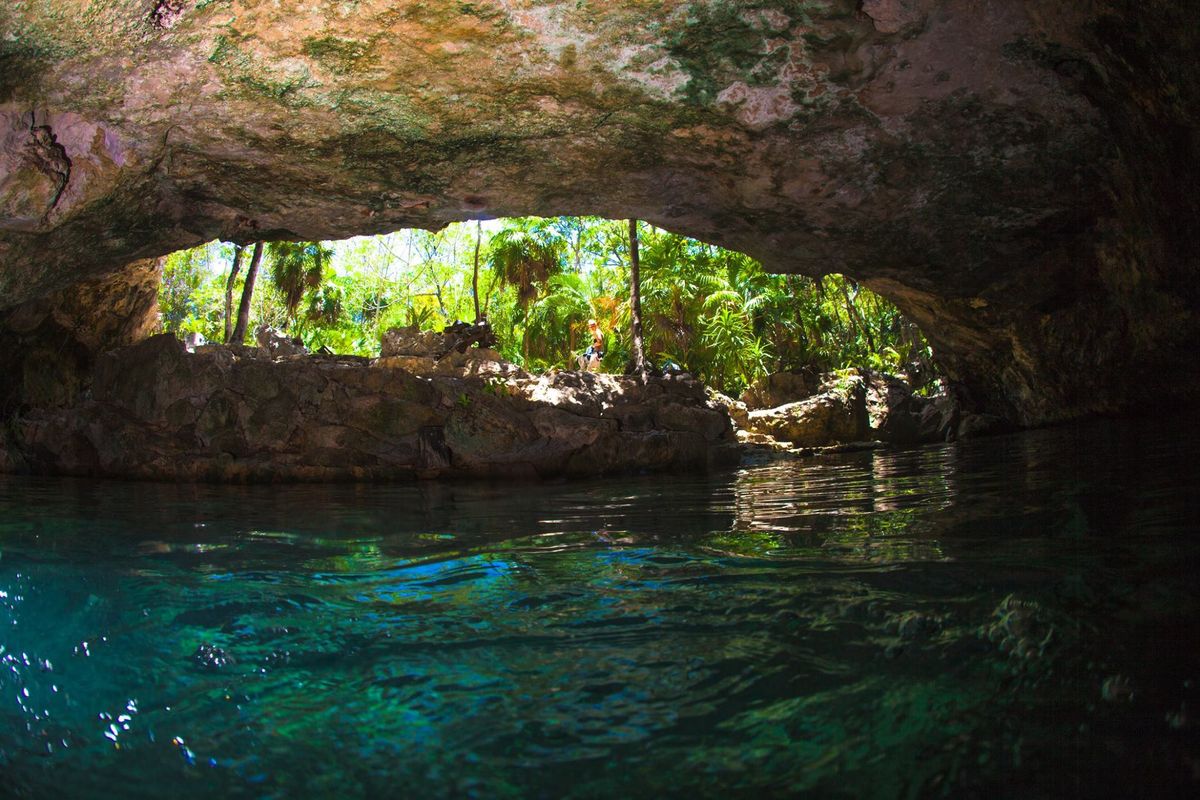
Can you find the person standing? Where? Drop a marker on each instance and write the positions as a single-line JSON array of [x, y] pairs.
[[590, 361]]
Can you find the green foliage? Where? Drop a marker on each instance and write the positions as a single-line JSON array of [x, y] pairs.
[[189, 299], [738, 356], [525, 257], [715, 312], [295, 268], [497, 387]]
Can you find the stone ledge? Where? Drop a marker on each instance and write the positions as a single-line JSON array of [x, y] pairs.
[[160, 412]]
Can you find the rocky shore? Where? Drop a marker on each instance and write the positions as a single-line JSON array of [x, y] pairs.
[[157, 410], [801, 413]]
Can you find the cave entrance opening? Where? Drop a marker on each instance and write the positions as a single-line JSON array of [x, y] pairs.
[[539, 281]]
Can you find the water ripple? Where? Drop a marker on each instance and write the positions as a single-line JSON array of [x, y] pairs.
[[978, 620]]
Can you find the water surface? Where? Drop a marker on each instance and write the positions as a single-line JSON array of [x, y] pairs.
[[1014, 617]]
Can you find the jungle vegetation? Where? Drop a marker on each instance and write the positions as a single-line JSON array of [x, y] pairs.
[[714, 312]]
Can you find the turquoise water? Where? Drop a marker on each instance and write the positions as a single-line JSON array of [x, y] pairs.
[[1014, 617]]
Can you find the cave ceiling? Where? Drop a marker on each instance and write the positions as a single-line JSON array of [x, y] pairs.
[[1006, 171]]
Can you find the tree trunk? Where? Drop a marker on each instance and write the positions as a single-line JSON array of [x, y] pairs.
[[856, 317], [243, 320], [475, 273], [233, 273], [635, 301]]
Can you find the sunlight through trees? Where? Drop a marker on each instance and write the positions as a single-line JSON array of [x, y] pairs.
[[714, 312]]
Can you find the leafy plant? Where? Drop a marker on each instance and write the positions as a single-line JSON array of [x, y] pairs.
[[717, 313]]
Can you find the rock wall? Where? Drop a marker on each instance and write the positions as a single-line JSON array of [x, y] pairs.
[[48, 345], [852, 406], [1018, 175], [234, 413]]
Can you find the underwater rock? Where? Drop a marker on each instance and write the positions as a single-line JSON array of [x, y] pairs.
[[1025, 632], [916, 626]]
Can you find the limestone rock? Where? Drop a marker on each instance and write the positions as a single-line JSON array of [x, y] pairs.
[[34, 170], [193, 340], [779, 388], [894, 16], [893, 411], [943, 419], [837, 415], [279, 344], [736, 409], [939, 419], [48, 346], [1017, 176], [475, 362], [238, 414], [458, 338], [412, 341], [976, 425], [11, 460]]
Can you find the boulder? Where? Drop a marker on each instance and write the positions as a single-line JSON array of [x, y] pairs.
[[736, 409], [278, 343], [893, 411], [836, 415], [411, 341], [455, 338], [943, 418], [780, 388], [976, 425], [475, 361], [939, 419]]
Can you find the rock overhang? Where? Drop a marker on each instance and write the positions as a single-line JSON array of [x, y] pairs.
[[993, 167]]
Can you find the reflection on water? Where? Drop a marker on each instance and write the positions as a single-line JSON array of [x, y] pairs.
[[1014, 617]]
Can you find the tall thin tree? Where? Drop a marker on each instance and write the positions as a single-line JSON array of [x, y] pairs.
[[635, 301], [229, 284], [856, 318], [475, 273], [243, 319]]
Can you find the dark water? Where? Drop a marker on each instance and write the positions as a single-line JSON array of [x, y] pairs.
[[1008, 618]]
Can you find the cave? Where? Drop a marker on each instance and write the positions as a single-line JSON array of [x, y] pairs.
[[1016, 177], [1011, 616]]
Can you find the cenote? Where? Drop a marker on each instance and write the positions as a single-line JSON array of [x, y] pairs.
[[1010, 617], [332, 466]]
